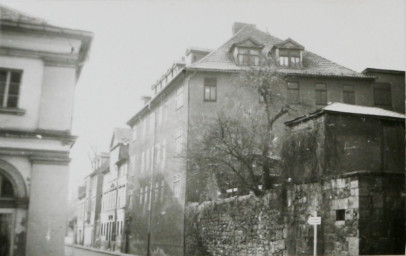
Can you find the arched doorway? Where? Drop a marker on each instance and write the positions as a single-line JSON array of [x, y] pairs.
[[7, 216], [13, 211]]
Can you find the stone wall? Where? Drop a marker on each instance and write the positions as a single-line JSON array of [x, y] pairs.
[[245, 225]]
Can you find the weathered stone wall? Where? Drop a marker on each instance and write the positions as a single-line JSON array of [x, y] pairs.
[[245, 225], [335, 236]]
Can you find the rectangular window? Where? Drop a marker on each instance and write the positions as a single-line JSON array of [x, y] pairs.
[[293, 93], [156, 192], [348, 94], [134, 133], [141, 196], [210, 89], [176, 185], [147, 160], [321, 94], [289, 58], [179, 97], [248, 57], [162, 190], [158, 153], [382, 95], [142, 161], [178, 141], [9, 88], [163, 153], [340, 215]]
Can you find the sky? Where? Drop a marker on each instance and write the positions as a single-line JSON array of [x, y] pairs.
[[135, 42]]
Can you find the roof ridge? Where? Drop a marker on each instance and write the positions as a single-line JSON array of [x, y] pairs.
[[208, 55]]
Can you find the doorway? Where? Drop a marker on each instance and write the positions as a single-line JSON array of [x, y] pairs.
[[6, 231]]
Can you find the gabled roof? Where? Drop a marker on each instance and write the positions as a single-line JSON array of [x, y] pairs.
[[248, 42], [350, 109], [290, 43], [222, 60], [120, 136]]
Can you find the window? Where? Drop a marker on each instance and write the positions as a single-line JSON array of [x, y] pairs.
[[321, 94], [179, 97], [210, 89], [293, 93], [6, 188], [141, 195], [142, 161], [176, 185], [248, 57], [289, 58], [348, 94], [382, 95], [9, 88], [163, 153], [134, 133], [340, 215], [156, 192], [147, 160], [178, 141], [158, 153], [162, 190]]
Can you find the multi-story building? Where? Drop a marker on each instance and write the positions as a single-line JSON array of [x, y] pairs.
[[40, 65], [80, 215], [197, 89], [112, 216], [94, 186]]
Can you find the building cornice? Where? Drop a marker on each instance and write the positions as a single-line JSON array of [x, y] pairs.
[[49, 58], [62, 136], [38, 156]]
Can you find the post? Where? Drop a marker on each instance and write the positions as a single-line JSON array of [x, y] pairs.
[[315, 240]]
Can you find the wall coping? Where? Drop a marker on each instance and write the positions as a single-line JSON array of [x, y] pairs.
[[99, 250]]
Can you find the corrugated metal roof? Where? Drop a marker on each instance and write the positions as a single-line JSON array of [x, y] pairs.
[[350, 109], [362, 110]]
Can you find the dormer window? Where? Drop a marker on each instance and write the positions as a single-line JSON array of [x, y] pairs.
[[246, 53], [289, 54], [289, 58], [248, 57]]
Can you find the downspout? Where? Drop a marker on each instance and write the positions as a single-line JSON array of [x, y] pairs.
[[187, 147], [151, 185]]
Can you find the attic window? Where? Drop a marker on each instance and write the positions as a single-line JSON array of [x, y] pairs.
[[248, 57], [289, 58]]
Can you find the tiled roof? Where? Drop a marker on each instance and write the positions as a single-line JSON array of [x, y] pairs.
[[349, 109], [221, 59], [7, 13]]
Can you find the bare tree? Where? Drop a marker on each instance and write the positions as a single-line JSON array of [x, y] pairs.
[[238, 146]]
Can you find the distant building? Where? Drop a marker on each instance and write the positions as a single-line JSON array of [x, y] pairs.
[[195, 90], [81, 213], [40, 65], [347, 163], [94, 186], [112, 216]]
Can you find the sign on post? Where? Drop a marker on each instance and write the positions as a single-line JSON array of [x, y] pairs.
[[314, 221]]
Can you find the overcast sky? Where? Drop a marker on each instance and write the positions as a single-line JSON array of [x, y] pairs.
[[135, 42]]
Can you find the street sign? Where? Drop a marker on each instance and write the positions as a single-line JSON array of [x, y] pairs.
[[314, 220]]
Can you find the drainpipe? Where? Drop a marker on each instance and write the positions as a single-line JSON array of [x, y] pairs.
[[187, 147], [150, 188]]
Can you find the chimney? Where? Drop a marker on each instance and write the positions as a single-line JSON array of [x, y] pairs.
[[146, 99], [237, 26]]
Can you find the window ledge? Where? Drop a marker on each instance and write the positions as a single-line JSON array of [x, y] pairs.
[[12, 111]]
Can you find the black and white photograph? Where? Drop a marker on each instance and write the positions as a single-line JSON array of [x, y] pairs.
[[202, 127]]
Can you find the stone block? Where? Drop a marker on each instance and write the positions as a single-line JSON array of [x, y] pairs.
[[354, 184], [353, 245], [341, 183], [353, 202]]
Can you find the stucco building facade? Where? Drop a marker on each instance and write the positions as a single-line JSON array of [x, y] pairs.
[[196, 89], [39, 68]]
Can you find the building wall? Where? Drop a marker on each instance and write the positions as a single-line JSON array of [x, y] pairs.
[[167, 208]]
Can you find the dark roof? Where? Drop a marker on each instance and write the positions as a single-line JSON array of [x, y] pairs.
[[342, 108], [222, 60], [7, 13], [387, 71]]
